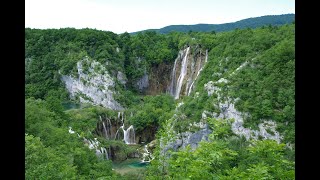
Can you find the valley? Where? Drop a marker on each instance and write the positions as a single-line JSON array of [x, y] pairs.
[[101, 105]]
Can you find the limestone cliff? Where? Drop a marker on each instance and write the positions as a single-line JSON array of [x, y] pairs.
[[93, 85]]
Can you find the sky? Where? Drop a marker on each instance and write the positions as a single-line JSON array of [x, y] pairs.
[[121, 16]]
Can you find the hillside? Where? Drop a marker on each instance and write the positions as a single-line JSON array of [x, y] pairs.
[[164, 105], [275, 20]]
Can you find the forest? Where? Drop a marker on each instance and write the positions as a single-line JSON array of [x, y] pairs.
[[258, 66]]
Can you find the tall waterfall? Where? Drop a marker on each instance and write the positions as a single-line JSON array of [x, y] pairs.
[[172, 87], [183, 72], [190, 89], [188, 66], [175, 87]]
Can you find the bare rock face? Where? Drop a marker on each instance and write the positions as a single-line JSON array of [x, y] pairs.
[[143, 82], [122, 78], [193, 139], [159, 78], [94, 85]]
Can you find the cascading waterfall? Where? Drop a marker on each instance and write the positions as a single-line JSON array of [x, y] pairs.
[[128, 134], [146, 156], [105, 130], [109, 125], [93, 144], [104, 150], [183, 72], [71, 131], [173, 78]]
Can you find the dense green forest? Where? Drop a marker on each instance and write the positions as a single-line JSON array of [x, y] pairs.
[[275, 20], [265, 88]]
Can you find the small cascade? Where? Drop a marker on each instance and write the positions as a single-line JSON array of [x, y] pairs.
[[92, 144], [146, 155], [115, 136], [122, 117], [109, 126], [105, 130], [104, 150], [71, 131], [128, 134]]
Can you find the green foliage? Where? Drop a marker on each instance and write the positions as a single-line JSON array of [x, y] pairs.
[[152, 112], [51, 152], [43, 163]]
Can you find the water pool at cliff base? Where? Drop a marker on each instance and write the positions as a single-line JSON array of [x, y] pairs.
[[132, 166]]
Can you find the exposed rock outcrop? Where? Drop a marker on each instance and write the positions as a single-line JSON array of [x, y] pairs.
[[93, 85]]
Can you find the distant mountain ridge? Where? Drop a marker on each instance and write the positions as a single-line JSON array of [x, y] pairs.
[[254, 22]]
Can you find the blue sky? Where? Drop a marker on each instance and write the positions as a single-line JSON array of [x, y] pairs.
[[119, 16]]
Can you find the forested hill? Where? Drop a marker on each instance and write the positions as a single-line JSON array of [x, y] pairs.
[[255, 22]]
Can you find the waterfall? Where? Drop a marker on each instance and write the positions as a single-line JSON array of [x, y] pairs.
[[129, 135], [104, 150], [173, 77], [146, 156], [206, 59], [70, 130], [105, 130], [109, 125], [115, 136], [93, 144], [122, 117], [183, 72]]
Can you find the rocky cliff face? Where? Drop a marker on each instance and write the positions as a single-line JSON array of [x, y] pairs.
[[93, 85], [159, 80], [175, 78], [189, 138]]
